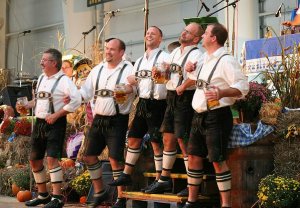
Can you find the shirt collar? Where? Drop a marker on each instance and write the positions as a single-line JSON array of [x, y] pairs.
[[151, 53], [56, 76], [218, 53]]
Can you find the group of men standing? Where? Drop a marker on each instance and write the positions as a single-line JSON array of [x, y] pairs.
[[173, 112]]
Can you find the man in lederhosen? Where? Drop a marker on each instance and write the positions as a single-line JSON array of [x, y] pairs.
[[219, 83], [110, 123], [150, 108], [179, 112], [50, 127]]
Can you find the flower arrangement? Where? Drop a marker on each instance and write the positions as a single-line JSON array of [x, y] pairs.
[[7, 126], [82, 183], [251, 104], [21, 178], [278, 192], [20, 126]]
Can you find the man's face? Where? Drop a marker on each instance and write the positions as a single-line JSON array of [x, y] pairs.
[[113, 52], [47, 63], [188, 35], [153, 38], [207, 37]]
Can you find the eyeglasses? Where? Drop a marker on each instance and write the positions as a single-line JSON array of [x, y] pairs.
[[189, 32], [44, 60]]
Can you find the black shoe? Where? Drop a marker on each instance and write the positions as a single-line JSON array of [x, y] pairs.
[[148, 187], [120, 203], [99, 199], [38, 200], [55, 203], [183, 193], [123, 180], [160, 187], [193, 205]]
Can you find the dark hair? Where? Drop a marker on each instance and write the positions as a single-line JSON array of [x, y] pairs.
[[220, 32], [122, 45], [56, 55], [159, 30]]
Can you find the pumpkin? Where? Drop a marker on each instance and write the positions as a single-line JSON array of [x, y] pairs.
[[82, 200], [67, 163], [15, 189], [23, 196]]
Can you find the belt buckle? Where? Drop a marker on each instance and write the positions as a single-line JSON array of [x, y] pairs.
[[200, 84], [43, 95], [143, 74], [104, 93]]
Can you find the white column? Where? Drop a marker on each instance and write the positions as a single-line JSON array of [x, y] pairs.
[[247, 21], [2, 33]]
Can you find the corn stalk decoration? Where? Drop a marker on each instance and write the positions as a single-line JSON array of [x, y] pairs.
[[285, 75]]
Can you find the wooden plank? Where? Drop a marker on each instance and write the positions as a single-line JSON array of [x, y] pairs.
[[173, 175], [166, 197], [154, 197]]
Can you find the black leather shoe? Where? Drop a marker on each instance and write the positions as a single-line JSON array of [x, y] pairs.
[[183, 193], [99, 199], [120, 203], [160, 187], [38, 200], [55, 203], [148, 187], [193, 205], [123, 180]]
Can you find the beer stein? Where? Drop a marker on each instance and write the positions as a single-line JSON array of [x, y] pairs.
[[21, 106], [120, 93], [160, 74], [211, 103]]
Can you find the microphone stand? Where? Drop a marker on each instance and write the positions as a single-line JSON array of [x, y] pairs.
[[200, 10], [112, 14], [217, 3], [231, 4], [20, 74]]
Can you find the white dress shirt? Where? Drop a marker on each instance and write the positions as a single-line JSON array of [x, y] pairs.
[[106, 105], [177, 57], [228, 74], [65, 87], [145, 84]]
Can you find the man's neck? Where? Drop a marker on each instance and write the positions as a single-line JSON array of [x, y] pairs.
[[212, 49], [51, 73], [112, 65]]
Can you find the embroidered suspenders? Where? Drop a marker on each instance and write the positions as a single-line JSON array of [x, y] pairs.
[[106, 92], [47, 95], [144, 73]]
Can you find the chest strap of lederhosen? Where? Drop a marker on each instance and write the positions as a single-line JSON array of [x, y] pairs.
[[117, 82], [97, 83], [152, 83], [212, 71], [37, 89], [51, 106], [182, 66], [50, 96]]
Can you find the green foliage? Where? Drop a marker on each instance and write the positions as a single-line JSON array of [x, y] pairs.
[[278, 192], [21, 177], [82, 183]]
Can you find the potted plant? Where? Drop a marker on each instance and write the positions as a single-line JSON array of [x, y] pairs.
[[278, 192], [81, 183], [249, 106]]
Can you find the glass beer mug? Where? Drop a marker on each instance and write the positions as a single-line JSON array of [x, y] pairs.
[[211, 103], [120, 93], [20, 106], [160, 74]]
